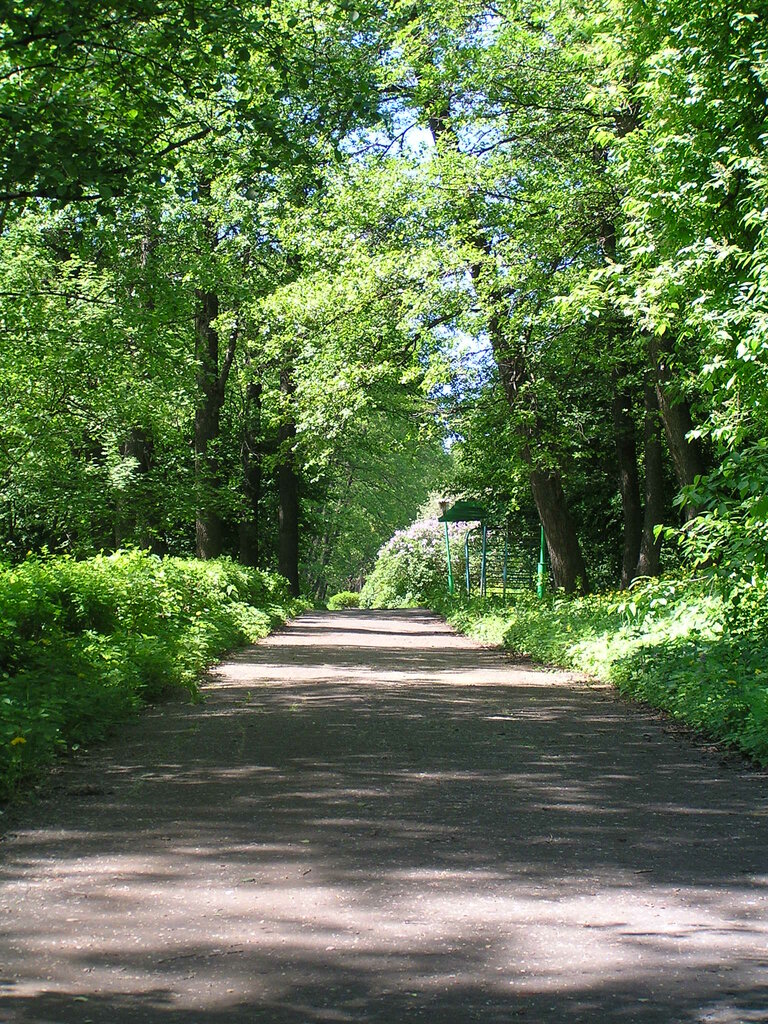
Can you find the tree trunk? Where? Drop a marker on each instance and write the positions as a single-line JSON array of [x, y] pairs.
[[565, 556], [320, 583], [138, 446], [650, 548], [138, 443], [288, 524], [333, 513], [248, 543], [629, 483], [248, 529], [208, 523], [562, 541], [288, 496], [687, 453], [566, 559]]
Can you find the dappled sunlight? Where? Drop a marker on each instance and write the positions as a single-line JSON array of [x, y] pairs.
[[353, 847]]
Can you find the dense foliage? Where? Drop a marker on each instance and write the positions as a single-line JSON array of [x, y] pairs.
[[84, 643], [256, 260], [203, 347]]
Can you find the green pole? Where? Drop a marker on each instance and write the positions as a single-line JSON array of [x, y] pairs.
[[504, 567], [448, 556], [483, 563], [541, 571], [466, 561]]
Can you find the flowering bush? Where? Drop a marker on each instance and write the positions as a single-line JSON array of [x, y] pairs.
[[412, 565]]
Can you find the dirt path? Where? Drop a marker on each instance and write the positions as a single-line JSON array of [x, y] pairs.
[[373, 820]]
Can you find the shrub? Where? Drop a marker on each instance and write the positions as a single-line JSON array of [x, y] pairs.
[[344, 599], [84, 643], [411, 567]]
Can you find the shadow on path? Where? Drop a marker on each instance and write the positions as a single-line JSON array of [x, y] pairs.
[[374, 820]]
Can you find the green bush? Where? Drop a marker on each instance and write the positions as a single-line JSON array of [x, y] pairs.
[[344, 599], [687, 646], [84, 643]]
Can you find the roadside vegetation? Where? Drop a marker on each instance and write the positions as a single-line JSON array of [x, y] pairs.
[[85, 644], [692, 644], [675, 643]]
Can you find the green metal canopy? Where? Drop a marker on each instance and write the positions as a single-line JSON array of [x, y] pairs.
[[463, 512], [460, 512]]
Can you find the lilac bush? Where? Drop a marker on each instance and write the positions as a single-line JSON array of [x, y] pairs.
[[412, 565]]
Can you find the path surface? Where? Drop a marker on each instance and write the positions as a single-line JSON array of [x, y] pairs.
[[374, 820]]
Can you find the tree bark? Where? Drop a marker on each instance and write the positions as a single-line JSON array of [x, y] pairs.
[[629, 483], [248, 529], [687, 453], [320, 583], [138, 445], [649, 559], [208, 523], [567, 561], [332, 516], [211, 384], [565, 555], [288, 495]]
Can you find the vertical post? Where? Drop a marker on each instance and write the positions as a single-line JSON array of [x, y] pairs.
[[448, 556], [504, 567], [466, 562], [542, 568], [483, 562]]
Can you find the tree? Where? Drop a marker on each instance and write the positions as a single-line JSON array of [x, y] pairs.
[[240, 251]]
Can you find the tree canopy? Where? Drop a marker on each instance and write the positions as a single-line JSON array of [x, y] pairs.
[[272, 273]]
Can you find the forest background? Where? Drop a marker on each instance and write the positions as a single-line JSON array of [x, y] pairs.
[[272, 273]]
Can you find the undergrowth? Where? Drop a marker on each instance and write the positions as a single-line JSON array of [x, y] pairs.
[[691, 647], [83, 644]]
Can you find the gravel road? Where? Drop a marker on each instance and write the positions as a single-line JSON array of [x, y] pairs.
[[372, 819]]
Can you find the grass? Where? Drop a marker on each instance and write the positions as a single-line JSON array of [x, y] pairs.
[[697, 650], [84, 644]]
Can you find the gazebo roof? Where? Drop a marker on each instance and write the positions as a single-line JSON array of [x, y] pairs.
[[463, 512]]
